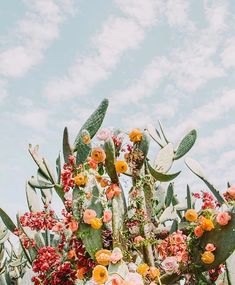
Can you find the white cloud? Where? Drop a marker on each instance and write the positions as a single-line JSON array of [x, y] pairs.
[[3, 90], [228, 54], [34, 35], [117, 35]]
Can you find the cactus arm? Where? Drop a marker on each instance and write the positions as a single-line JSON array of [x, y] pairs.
[[186, 144], [67, 151]]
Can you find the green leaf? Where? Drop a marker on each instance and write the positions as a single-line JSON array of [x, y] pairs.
[[196, 168], [47, 192], [109, 149], [169, 195], [58, 168], [59, 190], [32, 198], [67, 151], [33, 182], [143, 146], [92, 238], [186, 144], [94, 122], [189, 198], [222, 238], [83, 150], [161, 176], [119, 268], [7, 221], [162, 131], [164, 158], [174, 227]]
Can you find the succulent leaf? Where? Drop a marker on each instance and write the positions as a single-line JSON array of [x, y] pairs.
[[67, 151], [7, 221], [164, 158], [186, 144], [162, 177], [32, 198]]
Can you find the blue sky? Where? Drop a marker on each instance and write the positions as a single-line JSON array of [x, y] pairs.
[[172, 60]]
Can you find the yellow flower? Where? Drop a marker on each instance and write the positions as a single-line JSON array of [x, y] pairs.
[[135, 135], [208, 257], [191, 215], [154, 272], [206, 224], [96, 223], [121, 166], [103, 256], [80, 179], [100, 274], [143, 269], [86, 139]]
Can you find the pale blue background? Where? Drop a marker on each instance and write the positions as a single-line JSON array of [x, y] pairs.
[[171, 60]]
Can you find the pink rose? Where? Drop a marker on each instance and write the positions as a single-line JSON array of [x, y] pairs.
[[103, 134], [210, 247], [231, 192], [170, 265], [138, 239], [116, 255], [88, 216], [223, 218], [134, 278], [107, 216]]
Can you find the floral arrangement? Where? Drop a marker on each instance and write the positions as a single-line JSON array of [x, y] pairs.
[[121, 222]]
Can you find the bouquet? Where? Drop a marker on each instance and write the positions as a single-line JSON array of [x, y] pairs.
[[121, 222]]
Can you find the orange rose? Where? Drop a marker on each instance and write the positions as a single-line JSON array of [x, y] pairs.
[[135, 135], [80, 179], [208, 257], [121, 166], [96, 223], [71, 254], [100, 274], [143, 269], [81, 272], [103, 256], [198, 231], [86, 139], [154, 273], [206, 224], [191, 215], [98, 154], [73, 226]]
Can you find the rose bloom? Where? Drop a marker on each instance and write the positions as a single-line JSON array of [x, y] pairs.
[[121, 166], [88, 215], [134, 278], [73, 226], [103, 257], [198, 231], [208, 257], [92, 163], [143, 269], [206, 224], [191, 215], [107, 216], [100, 274], [135, 135], [231, 192], [96, 223], [103, 134], [223, 218], [116, 255], [138, 239], [170, 265], [98, 154], [210, 247]]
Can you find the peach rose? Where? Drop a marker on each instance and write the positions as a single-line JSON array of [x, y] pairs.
[[138, 239], [103, 134], [210, 247], [88, 216], [170, 265], [198, 231], [116, 255], [107, 216], [98, 154], [223, 218], [73, 226]]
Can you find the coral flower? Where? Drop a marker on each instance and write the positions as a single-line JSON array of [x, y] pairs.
[[191, 215], [88, 215], [98, 154], [135, 135], [138, 239], [107, 216], [208, 257], [154, 272], [92, 163], [143, 269], [81, 272], [113, 190], [73, 226], [103, 256], [100, 274], [104, 182], [71, 254], [223, 218], [198, 231], [170, 265], [206, 224], [96, 223], [80, 179], [210, 247], [121, 166]]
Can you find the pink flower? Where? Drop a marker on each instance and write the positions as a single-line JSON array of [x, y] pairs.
[[138, 239], [170, 265], [210, 247], [116, 255], [107, 216], [231, 192], [134, 278], [103, 134], [223, 218], [88, 216], [58, 227]]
